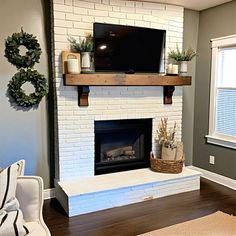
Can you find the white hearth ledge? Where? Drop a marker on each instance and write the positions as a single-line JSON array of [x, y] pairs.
[[118, 189]]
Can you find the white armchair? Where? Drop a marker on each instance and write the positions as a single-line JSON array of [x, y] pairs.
[[29, 192]]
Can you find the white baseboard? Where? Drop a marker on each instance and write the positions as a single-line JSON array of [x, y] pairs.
[[48, 193], [220, 179]]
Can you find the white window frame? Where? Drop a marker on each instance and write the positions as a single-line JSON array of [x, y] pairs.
[[214, 137]]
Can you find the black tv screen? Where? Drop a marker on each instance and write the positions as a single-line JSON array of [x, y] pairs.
[[119, 48]]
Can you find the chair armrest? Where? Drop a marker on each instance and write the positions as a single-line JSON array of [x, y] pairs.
[[29, 192]]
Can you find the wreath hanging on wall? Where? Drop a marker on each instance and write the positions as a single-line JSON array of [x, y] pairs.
[[12, 52], [32, 55], [36, 79]]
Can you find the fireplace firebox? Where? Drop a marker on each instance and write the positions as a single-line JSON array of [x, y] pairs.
[[122, 145]]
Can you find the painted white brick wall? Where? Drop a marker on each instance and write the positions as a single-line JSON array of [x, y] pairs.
[[76, 124]]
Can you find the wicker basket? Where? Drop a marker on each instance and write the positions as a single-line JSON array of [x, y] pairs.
[[166, 166]]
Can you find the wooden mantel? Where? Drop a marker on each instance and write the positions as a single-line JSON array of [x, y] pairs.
[[83, 81]]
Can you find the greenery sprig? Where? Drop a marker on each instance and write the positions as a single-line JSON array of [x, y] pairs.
[[19, 95], [187, 55], [82, 44], [12, 52]]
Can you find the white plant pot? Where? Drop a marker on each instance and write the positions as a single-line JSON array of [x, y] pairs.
[[183, 69], [168, 153], [85, 61]]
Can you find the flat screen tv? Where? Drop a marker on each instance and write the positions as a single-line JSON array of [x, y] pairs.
[[129, 49]]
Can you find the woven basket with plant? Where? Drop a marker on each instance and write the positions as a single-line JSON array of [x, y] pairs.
[[171, 159]]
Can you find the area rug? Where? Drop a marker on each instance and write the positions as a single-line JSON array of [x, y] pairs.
[[216, 224]]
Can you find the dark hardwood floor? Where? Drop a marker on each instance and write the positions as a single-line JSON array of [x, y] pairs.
[[142, 217]]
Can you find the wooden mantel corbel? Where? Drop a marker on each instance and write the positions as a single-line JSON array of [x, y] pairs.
[[83, 93], [83, 81], [167, 94]]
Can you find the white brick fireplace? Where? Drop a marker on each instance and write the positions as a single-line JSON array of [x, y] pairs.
[[76, 124]]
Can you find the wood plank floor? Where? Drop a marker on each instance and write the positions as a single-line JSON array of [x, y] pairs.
[[142, 217]]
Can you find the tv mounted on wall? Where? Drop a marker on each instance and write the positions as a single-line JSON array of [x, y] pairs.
[[129, 49]]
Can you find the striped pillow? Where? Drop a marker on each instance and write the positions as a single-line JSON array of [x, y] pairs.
[[11, 218], [11, 223], [8, 178]]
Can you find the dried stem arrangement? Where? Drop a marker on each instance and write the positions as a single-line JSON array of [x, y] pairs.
[[166, 137]]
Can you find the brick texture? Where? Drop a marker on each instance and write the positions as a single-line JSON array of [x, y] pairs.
[[76, 124]]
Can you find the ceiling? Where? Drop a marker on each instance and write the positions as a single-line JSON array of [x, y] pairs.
[[197, 5]]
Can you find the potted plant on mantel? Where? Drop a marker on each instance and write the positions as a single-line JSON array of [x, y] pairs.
[[85, 47], [182, 58]]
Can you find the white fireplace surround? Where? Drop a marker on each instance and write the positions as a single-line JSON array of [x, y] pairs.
[[76, 124]]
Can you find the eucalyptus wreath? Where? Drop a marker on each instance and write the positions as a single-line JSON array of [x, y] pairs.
[[12, 52], [19, 95]]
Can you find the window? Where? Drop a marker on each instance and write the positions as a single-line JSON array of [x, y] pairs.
[[222, 114]]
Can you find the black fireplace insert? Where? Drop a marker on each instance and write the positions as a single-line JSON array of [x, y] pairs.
[[122, 145]]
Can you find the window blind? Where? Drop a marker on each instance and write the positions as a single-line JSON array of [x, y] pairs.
[[226, 111], [226, 92]]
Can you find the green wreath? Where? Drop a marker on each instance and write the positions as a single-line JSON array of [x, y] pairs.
[[12, 52], [18, 94]]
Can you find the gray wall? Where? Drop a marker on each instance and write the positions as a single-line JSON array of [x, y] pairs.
[[191, 21], [215, 22], [23, 134]]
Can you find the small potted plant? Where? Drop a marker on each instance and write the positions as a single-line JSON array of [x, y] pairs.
[[85, 47], [166, 138], [182, 57]]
